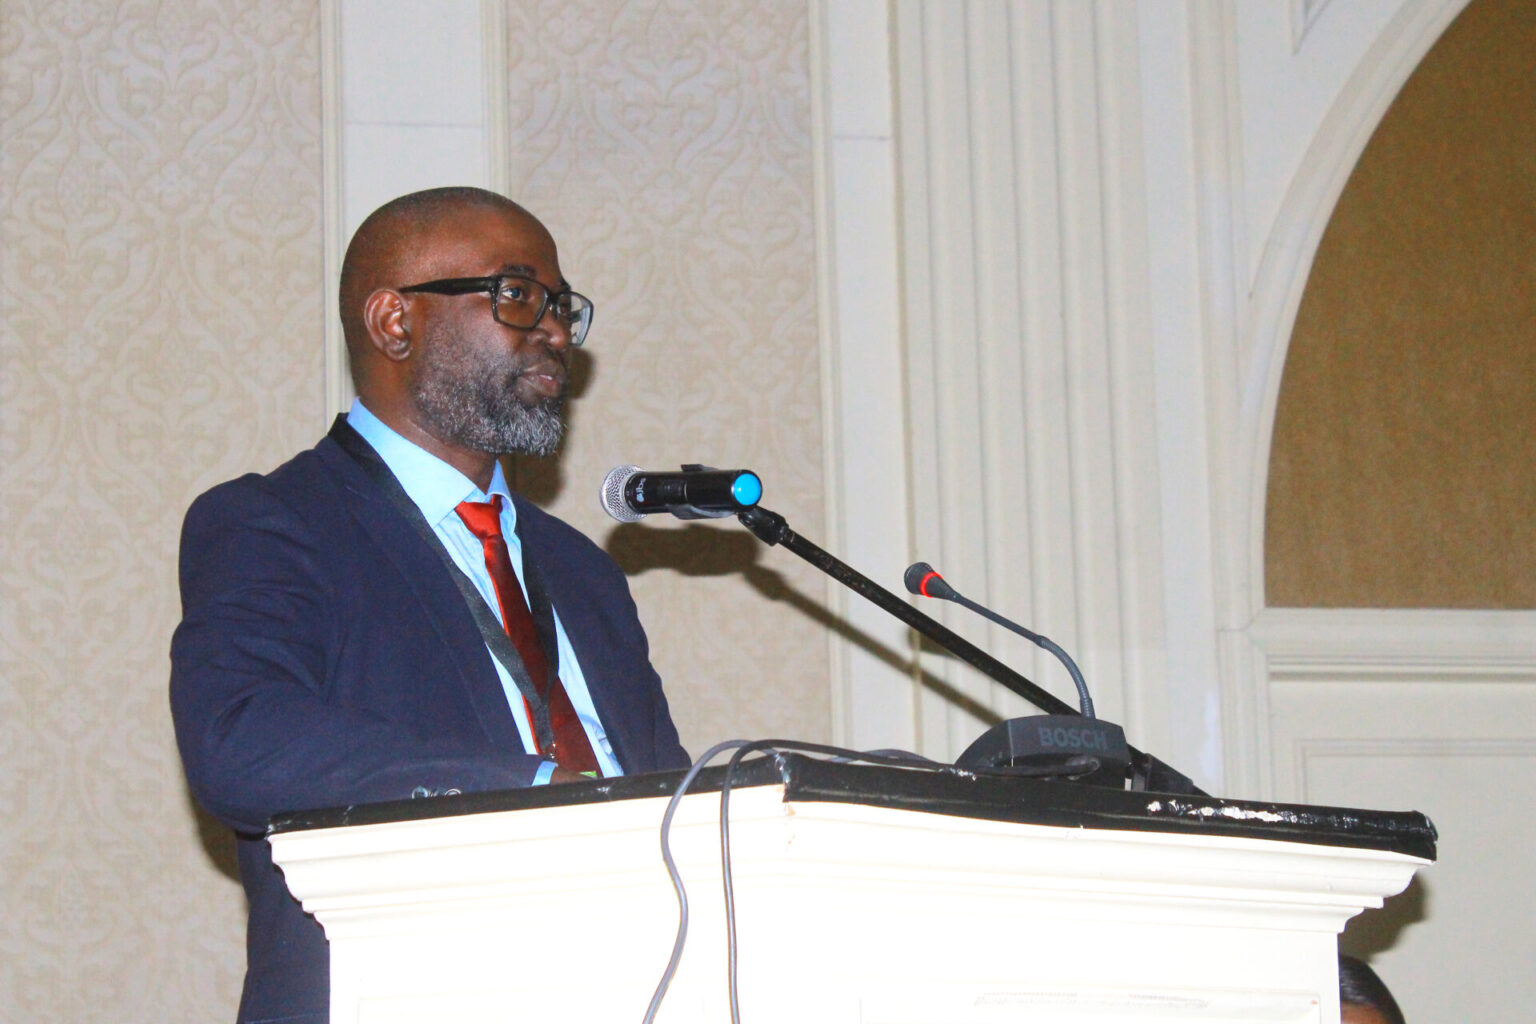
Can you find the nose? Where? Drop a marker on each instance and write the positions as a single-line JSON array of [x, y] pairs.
[[557, 335]]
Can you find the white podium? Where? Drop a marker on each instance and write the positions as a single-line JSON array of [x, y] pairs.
[[863, 896]]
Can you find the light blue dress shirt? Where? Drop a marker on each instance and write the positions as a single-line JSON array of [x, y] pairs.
[[437, 488]]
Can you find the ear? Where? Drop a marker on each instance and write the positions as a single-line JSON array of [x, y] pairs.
[[384, 317]]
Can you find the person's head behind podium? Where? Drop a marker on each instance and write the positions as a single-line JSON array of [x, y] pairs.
[[459, 325], [1363, 997]]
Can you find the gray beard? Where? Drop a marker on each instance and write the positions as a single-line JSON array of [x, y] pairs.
[[475, 407]]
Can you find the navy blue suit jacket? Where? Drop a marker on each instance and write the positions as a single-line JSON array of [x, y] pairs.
[[326, 658]]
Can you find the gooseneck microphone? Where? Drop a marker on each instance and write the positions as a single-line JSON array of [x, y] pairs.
[[1062, 743], [630, 493], [1092, 750], [924, 580]]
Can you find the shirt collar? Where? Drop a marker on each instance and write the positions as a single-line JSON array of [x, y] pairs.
[[432, 484]]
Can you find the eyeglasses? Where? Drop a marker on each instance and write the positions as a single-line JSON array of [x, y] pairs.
[[520, 302]]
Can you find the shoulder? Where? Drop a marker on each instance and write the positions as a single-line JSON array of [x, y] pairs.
[[305, 483], [304, 521], [304, 502]]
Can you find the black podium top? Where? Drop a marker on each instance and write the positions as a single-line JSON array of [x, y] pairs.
[[952, 792]]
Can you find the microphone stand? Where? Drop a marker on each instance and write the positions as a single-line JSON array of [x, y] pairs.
[[1147, 772], [771, 528]]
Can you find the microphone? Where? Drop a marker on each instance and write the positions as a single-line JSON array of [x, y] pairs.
[[629, 493], [1096, 750], [1059, 744], [924, 580]]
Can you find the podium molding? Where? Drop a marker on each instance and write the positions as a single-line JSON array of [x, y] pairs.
[[848, 910]]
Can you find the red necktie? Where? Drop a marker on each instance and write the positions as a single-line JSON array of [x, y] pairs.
[[570, 748]]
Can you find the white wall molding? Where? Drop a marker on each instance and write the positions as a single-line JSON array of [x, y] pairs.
[[1245, 320], [1451, 748], [1354, 691], [1022, 431], [495, 78], [1304, 14], [823, 178], [1219, 230], [1103, 219], [1428, 710], [337, 382], [1368, 643], [1140, 559], [1265, 329], [864, 418]]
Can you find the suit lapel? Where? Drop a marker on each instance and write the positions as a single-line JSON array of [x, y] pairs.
[[439, 600]]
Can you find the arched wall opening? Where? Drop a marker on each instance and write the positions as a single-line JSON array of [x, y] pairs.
[[1403, 461]]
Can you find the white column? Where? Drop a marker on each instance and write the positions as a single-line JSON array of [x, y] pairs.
[[1029, 439], [862, 367], [414, 97]]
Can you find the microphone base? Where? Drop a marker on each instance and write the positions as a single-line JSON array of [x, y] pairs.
[[1068, 748]]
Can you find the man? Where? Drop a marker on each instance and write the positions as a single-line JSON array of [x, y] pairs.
[[1363, 996], [380, 618]]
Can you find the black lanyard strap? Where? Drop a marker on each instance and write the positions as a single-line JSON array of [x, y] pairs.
[[491, 630]]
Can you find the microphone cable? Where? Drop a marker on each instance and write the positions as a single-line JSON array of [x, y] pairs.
[[898, 759], [776, 748], [675, 876]]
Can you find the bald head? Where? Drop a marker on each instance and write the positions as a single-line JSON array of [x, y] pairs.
[[396, 243], [1363, 996], [441, 367]]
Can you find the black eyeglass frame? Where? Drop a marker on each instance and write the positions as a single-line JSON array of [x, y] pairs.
[[579, 326]]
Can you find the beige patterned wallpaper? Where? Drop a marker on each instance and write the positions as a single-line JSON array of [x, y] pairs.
[[159, 288]]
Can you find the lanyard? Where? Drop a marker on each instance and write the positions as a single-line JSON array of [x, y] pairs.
[[491, 630]]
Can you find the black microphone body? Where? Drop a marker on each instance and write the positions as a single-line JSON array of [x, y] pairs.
[[697, 492]]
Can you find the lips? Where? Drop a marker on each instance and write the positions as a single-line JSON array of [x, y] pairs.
[[547, 377]]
